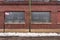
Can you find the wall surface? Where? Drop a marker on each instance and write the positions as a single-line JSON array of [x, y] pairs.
[[53, 26]]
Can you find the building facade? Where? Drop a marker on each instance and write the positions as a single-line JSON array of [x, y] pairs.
[[30, 16]]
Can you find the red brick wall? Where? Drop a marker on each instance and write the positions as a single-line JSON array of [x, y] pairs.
[[54, 15]]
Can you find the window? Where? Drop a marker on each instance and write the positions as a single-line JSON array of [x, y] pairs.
[[14, 17], [41, 17], [41, 0], [14, 0], [58, 0]]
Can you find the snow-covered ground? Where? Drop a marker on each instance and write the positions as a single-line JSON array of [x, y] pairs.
[[29, 34]]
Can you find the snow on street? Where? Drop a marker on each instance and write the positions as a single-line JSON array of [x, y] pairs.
[[29, 34]]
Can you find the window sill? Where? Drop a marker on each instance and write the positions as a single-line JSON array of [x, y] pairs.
[[16, 23], [58, 23], [41, 23]]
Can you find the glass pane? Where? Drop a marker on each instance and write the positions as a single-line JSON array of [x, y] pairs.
[[58, 0], [41, 16], [14, 17]]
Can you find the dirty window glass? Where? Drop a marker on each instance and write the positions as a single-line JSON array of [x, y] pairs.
[[14, 17], [58, 0], [40, 16]]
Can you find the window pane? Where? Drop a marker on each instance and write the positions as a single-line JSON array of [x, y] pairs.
[[41, 16], [58, 0], [14, 17]]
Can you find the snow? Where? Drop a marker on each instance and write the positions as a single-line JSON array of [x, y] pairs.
[[29, 34]]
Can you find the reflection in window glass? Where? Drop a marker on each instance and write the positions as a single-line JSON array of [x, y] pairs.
[[14, 17], [40, 16]]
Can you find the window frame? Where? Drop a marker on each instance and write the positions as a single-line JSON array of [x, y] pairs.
[[23, 22], [41, 22]]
